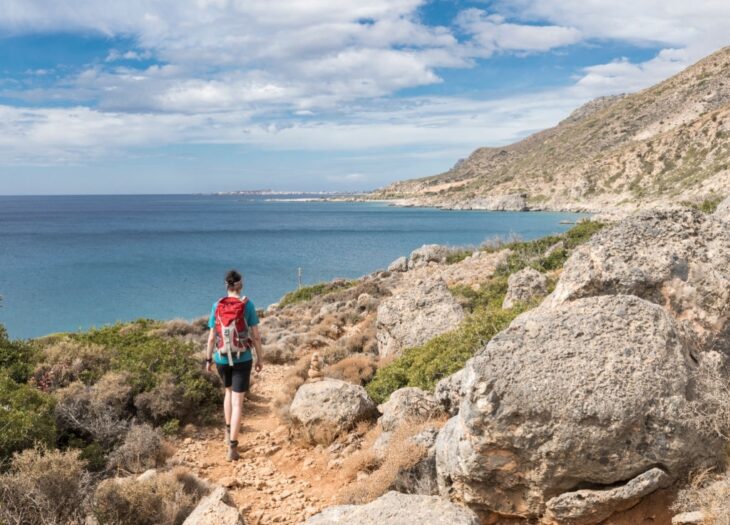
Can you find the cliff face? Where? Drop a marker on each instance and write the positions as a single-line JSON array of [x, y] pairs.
[[668, 143]]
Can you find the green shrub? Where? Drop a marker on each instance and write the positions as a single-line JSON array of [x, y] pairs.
[[458, 255], [708, 205], [309, 292], [26, 417], [423, 366], [150, 360], [17, 358]]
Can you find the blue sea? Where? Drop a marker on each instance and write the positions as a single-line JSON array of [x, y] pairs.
[[73, 262]]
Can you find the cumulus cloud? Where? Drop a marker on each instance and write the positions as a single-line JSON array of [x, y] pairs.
[[321, 74]]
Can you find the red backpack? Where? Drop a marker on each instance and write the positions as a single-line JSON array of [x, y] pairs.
[[231, 328]]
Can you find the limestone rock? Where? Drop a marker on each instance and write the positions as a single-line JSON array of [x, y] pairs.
[[215, 510], [407, 404], [689, 518], [523, 286], [591, 393], [399, 265], [448, 392], [415, 316], [588, 507], [397, 509], [325, 409], [723, 210], [426, 254], [678, 258]]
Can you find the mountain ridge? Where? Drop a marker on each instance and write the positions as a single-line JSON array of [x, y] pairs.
[[667, 143]]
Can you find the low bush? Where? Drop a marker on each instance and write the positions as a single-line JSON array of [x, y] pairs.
[[164, 499], [97, 413], [709, 205], [143, 448], [64, 360], [307, 293], [26, 417], [45, 487], [357, 369], [295, 377], [17, 358], [164, 402]]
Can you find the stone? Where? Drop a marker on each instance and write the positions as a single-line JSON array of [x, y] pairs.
[[689, 518], [215, 509], [394, 508], [588, 507], [399, 265], [594, 392], [428, 253], [523, 286], [327, 408], [147, 475], [448, 392], [678, 258], [411, 318], [723, 210], [315, 373], [408, 404]]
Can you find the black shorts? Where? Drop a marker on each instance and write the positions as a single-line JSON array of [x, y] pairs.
[[237, 376]]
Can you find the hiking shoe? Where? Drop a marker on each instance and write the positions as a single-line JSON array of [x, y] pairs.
[[233, 451]]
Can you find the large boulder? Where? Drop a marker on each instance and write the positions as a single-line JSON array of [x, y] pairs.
[[723, 210], [399, 265], [426, 254], [589, 394], [215, 509], [395, 508], [327, 408], [678, 258], [414, 316], [408, 404], [523, 286], [448, 392]]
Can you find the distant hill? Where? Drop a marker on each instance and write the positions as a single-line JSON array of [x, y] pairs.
[[667, 143]]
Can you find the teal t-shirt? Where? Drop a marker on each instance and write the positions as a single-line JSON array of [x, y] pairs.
[[252, 319]]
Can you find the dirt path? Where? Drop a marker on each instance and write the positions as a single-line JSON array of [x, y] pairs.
[[275, 481]]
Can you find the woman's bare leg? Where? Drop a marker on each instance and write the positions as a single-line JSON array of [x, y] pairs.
[[236, 410], [227, 406]]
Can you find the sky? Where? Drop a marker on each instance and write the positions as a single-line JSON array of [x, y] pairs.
[[188, 96]]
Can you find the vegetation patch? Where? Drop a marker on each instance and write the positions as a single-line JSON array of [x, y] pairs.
[[709, 205], [309, 292]]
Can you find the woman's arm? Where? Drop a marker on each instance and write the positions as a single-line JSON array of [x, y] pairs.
[[259, 355], [209, 350]]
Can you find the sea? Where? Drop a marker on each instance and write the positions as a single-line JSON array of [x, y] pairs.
[[69, 263]]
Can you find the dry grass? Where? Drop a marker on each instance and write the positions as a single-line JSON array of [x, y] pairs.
[[357, 369], [709, 494], [47, 487], [143, 448], [295, 378], [164, 499], [401, 456], [710, 412], [65, 361]]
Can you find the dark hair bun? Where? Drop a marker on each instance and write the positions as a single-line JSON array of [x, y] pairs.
[[233, 277]]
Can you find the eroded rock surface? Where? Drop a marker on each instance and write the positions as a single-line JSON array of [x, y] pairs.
[[414, 316], [723, 210], [592, 392], [408, 404], [397, 509], [523, 286], [215, 509], [449, 391], [678, 258], [588, 507], [329, 407]]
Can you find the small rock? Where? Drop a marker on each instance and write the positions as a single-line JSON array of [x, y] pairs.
[[689, 518]]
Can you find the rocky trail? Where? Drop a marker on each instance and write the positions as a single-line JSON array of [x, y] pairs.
[[276, 480]]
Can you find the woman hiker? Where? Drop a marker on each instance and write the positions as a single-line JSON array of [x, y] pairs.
[[234, 333]]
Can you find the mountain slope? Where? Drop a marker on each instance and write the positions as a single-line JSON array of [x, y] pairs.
[[666, 143]]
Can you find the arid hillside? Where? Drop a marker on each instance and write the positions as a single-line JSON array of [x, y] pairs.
[[668, 143]]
